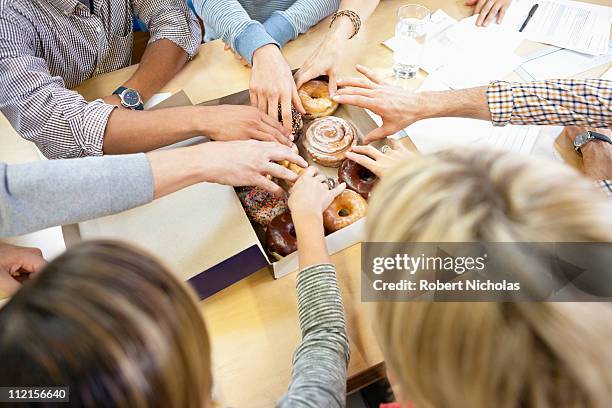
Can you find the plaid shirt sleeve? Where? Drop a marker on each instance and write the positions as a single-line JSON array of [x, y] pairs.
[[606, 186], [564, 102], [60, 121], [171, 20]]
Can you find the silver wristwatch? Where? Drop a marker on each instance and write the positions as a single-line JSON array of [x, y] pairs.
[[585, 137]]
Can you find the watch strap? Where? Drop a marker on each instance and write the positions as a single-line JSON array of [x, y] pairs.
[[119, 90], [601, 137]]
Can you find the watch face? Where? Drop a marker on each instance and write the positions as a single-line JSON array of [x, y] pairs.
[[581, 139], [131, 97]]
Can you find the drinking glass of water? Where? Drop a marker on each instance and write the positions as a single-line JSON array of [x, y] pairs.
[[410, 34]]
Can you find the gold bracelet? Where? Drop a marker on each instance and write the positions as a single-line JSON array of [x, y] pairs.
[[354, 17]]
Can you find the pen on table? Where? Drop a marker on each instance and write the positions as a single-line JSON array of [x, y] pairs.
[[531, 13]]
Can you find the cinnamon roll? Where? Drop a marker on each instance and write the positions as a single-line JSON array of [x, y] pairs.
[[328, 139]]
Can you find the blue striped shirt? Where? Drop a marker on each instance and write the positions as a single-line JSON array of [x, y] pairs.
[[247, 25]]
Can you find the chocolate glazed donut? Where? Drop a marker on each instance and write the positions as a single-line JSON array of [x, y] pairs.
[[280, 235], [328, 139], [357, 177]]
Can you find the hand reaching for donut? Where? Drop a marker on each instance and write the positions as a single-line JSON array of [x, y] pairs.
[[272, 84], [326, 60], [397, 107], [310, 195], [238, 122], [375, 160], [247, 163], [14, 259]]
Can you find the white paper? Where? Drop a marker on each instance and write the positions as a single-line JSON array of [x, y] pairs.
[[554, 62], [432, 135], [578, 26], [157, 99], [607, 75]]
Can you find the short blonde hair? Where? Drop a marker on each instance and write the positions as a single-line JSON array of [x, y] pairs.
[[502, 355], [112, 324]]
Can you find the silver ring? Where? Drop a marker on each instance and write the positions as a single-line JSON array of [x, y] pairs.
[[331, 183], [384, 149]]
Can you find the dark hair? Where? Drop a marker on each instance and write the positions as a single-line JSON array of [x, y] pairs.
[[112, 324]]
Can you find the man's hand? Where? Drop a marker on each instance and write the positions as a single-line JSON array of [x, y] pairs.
[[376, 161], [272, 83], [489, 10], [247, 163], [597, 156], [14, 260], [397, 107], [237, 122]]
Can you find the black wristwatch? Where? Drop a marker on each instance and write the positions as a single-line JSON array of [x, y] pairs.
[[130, 98], [585, 137]]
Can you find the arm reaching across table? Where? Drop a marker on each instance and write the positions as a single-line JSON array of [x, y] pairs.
[[37, 195], [319, 364], [566, 102]]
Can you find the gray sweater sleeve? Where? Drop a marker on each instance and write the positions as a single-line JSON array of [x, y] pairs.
[[42, 194], [318, 378]]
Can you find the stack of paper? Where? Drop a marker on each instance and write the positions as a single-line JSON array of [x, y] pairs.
[[554, 62], [432, 135], [574, 25]]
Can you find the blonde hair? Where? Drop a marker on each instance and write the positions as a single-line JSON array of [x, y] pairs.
[[113, 325], [499, 355]]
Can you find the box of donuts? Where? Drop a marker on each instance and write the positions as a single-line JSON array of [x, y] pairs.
[[322, 136]]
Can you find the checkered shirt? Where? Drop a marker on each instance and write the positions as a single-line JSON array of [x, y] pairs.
[[586, 102], [606, 186], [47, 46]]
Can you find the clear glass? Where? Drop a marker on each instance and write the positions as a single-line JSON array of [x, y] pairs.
[[410, 34]]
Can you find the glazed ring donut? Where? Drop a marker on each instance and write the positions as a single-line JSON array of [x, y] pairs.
[[280, 235], [261, 206], [357, 177], [315, 99], [347, 208], [297, 123], [328, 139]]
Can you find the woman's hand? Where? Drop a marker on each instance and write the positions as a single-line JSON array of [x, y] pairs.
[[397, 107], [327, 58], [245, 163], [310, 195], [489, 10], [238, 57], [13, 260], [272, 83], [375, 160]]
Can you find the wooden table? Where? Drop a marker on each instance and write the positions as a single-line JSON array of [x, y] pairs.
[[253, 324]]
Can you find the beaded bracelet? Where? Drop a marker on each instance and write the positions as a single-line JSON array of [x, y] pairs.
[[354, 17]]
